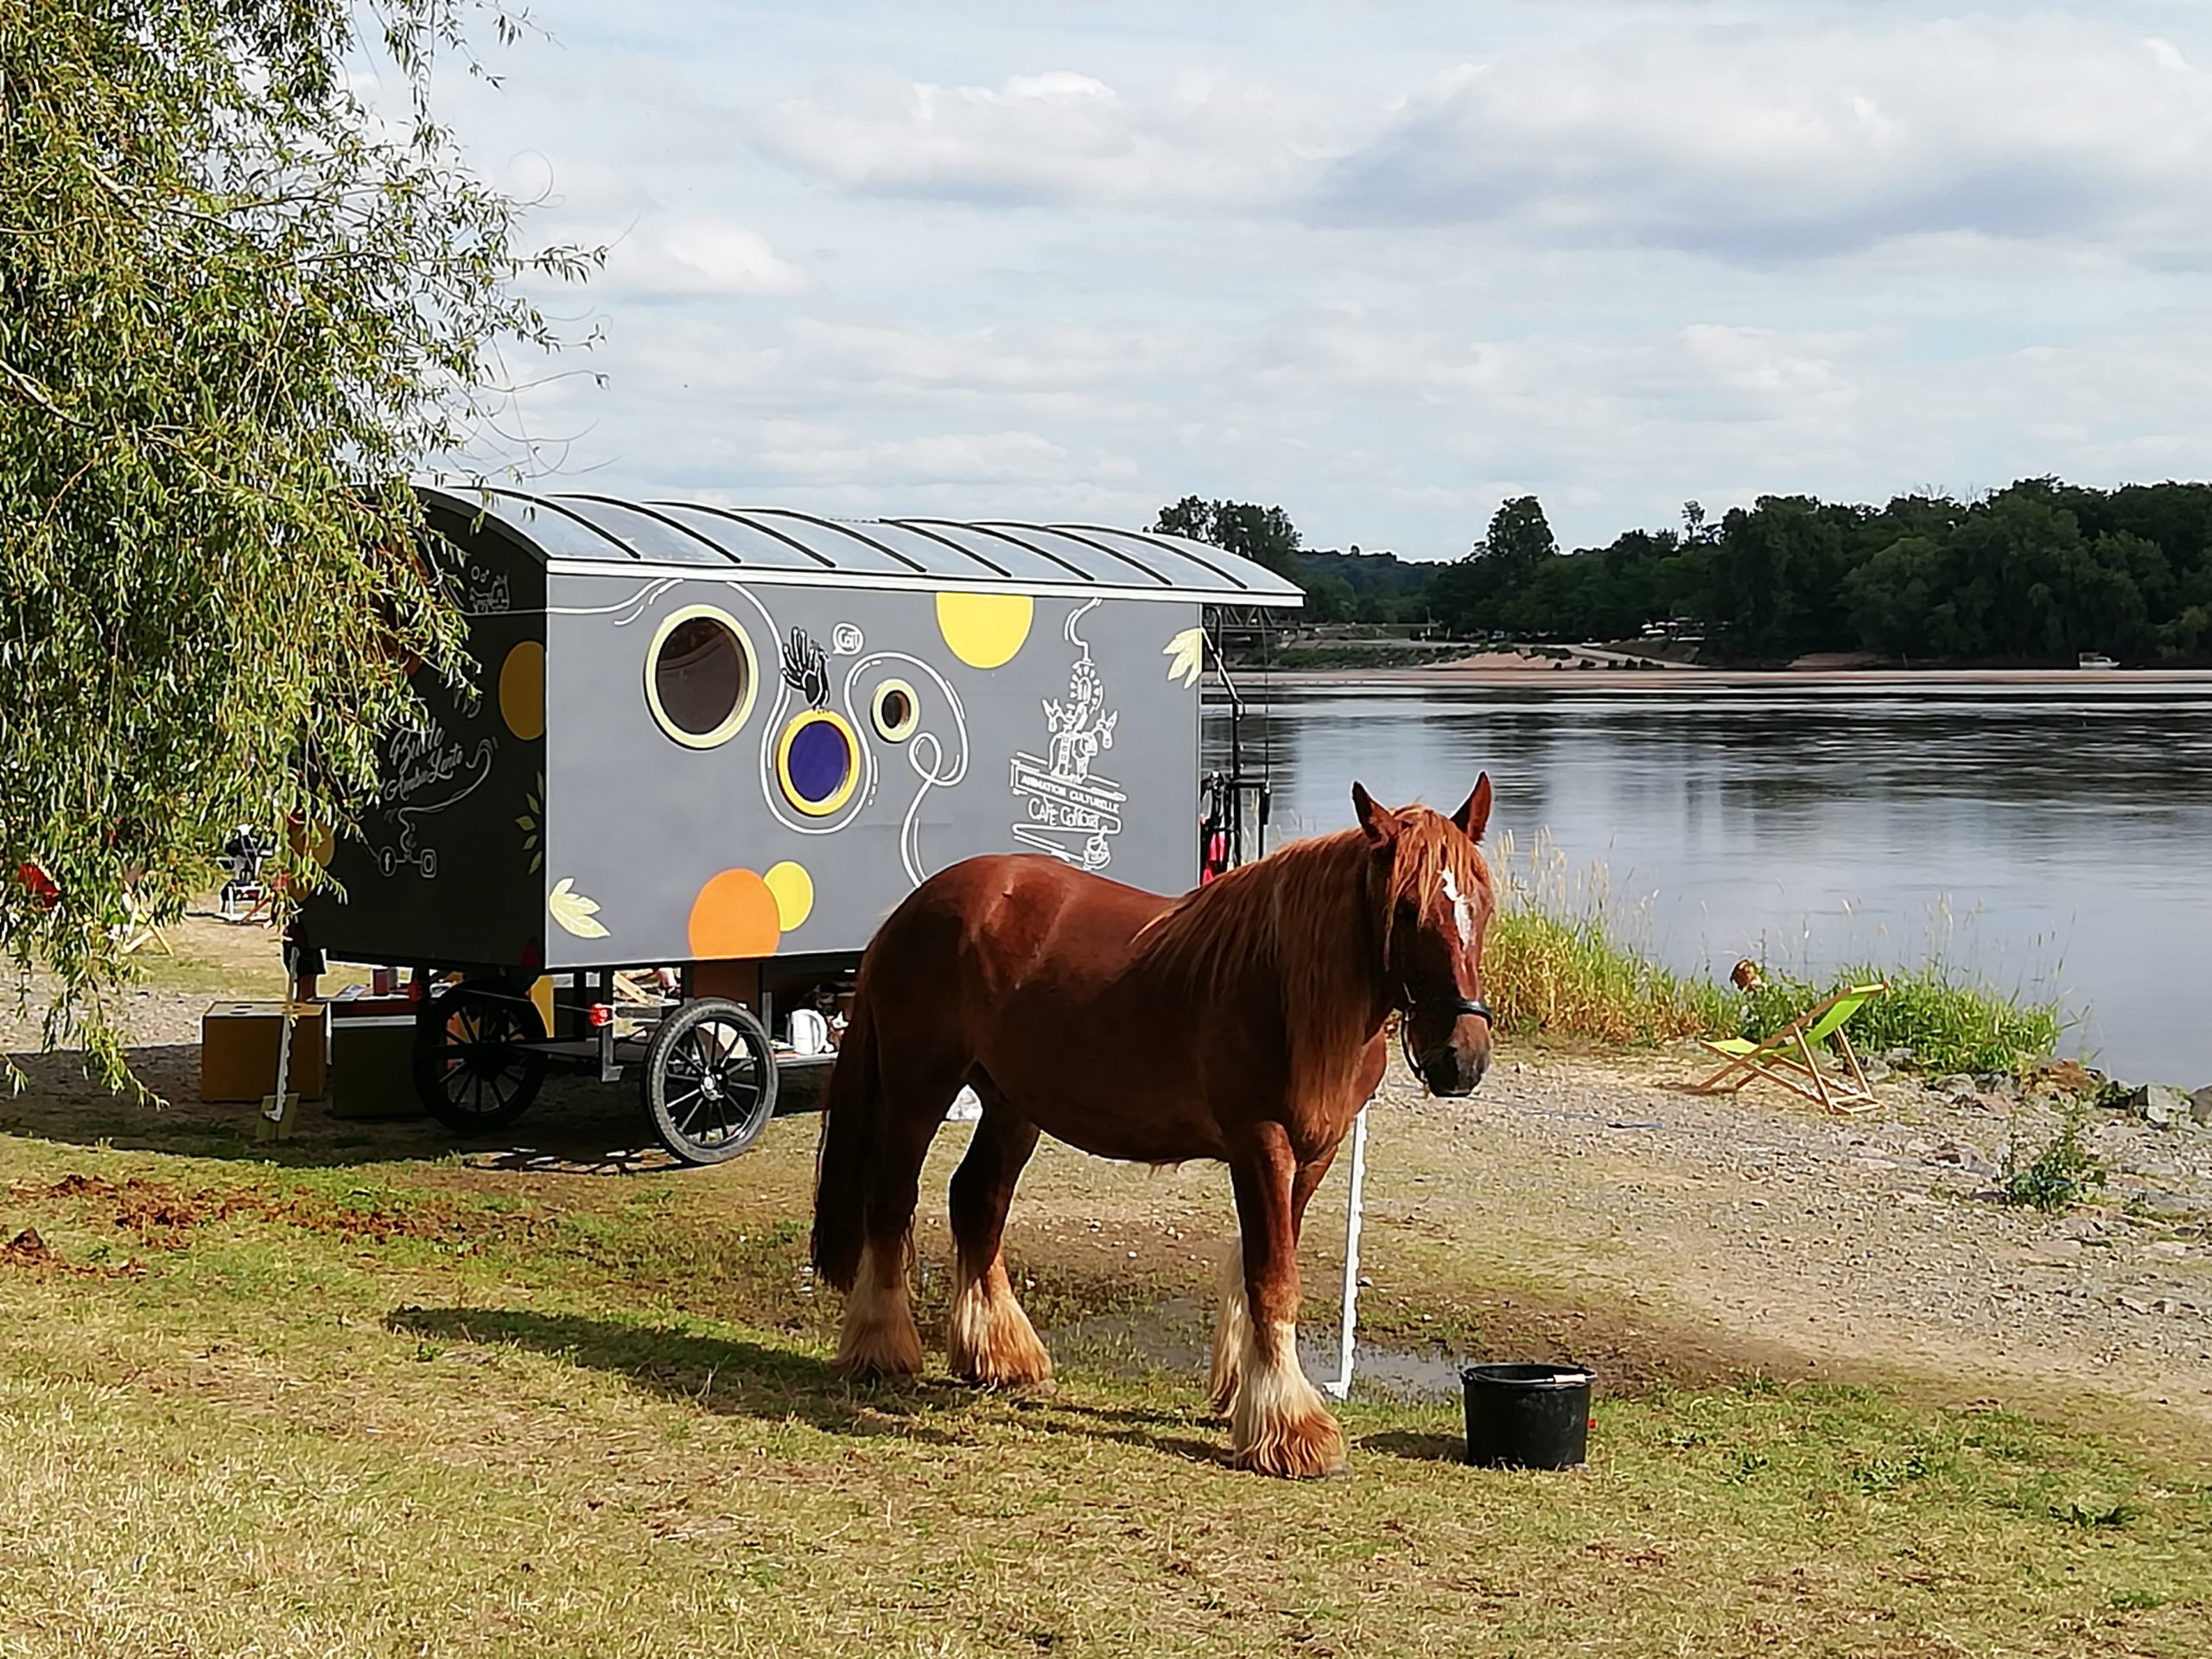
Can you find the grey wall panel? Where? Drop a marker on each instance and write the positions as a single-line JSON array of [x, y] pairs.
[[1050, 725]]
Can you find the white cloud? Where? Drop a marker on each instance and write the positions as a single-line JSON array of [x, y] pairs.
[[1758, 143], [1774, 142], [1618, 266], [684, 258], [1056, 137]]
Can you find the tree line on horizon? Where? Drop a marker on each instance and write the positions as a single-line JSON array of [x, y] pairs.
[[2039, 572]]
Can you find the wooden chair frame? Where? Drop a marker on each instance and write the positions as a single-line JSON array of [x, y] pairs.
[[1790, 1056]]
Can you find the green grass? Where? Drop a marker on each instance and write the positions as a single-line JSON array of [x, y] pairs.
[[401, 1410]]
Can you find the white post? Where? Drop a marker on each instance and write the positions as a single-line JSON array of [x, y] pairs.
[[1342, 1385]]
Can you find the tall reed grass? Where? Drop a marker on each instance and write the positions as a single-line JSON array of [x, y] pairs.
[[1564, 958], [1560, 958]]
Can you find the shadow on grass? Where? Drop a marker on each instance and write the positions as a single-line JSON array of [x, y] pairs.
[[735, 1377], [1415, 1446], [577, 1125], [726, 1375]]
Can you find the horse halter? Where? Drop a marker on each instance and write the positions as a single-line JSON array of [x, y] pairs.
[[1455, 1005], [1458, 1007]]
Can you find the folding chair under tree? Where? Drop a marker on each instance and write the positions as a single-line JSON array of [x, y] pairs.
[[1792, 1056]]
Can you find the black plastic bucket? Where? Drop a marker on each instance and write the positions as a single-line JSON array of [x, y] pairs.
[[1527, 1416]]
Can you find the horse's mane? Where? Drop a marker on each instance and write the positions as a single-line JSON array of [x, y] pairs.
[[1310, 916]]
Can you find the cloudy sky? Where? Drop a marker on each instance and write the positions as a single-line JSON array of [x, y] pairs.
[[1381, 263]]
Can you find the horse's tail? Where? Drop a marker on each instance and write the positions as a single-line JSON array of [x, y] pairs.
[[844, 1161]]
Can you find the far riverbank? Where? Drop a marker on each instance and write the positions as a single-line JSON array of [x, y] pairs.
[[1592, 674]]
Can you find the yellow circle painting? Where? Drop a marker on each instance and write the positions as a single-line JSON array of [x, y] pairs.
[[794, 891], [522, 690], [984, 629], [734, 915]]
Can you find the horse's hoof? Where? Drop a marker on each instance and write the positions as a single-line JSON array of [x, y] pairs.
[[1022, 1383], [1311, 1456], [1038, 1387], [1291, 1468], [878, 1359]]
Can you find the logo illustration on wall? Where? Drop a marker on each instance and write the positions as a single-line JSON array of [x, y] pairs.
[[425, 773], [486, 593], [1073, 813]]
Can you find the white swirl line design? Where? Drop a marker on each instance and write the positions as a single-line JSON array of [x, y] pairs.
[[634, 605], [933, 772]]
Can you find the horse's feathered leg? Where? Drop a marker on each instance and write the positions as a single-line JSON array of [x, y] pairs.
[[879, 1339], [989, 1338], [1278, 1423], [1234, 1324], [1230, 1332]]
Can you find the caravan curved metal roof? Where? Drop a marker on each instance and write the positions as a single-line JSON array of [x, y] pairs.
[[693, 538]]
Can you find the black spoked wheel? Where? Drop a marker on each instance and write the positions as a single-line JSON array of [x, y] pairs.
[[472, 1067], [710, 1080]]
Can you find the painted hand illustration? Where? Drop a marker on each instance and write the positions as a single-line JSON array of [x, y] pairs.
[[806, 668]]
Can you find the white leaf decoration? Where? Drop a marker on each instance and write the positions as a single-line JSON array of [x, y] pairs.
[[574, 911], [1186, 655]]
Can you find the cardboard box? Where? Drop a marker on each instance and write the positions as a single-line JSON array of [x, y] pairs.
[[238, 1050], [372, 1067]]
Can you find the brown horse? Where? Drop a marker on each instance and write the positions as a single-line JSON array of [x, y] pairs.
[[1243, 1022]]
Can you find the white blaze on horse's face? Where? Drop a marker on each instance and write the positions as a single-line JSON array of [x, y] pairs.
[[1462, 913]]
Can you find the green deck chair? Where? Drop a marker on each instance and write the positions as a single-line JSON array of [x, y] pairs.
[[1791, 1056]]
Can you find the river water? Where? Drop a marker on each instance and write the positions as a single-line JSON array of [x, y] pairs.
[[2052, 835]]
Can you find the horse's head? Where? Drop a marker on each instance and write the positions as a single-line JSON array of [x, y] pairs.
[[1433, 891]]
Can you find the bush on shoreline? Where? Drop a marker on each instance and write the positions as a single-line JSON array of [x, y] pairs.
[[1946, 1025]]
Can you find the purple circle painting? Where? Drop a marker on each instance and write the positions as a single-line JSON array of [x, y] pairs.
[[818, 762]]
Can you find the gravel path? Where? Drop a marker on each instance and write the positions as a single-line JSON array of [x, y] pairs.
[[1873, 1239]]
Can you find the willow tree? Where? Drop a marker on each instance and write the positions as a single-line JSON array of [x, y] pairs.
[[238, 306]]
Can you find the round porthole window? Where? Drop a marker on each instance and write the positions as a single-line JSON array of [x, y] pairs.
[[818, 762], [895, 711], [700, 677]]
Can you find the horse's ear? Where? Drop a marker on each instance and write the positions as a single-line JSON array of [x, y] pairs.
[[1380, 822], [1474, 817]]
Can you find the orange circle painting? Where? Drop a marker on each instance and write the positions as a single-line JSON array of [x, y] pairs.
[[734, 915]]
